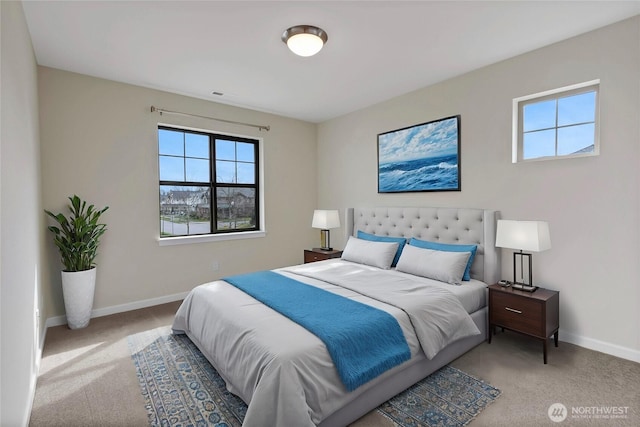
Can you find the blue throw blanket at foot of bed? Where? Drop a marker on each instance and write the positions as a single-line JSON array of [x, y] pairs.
[[363, 341]]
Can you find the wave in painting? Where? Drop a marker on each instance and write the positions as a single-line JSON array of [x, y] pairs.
[[431, 173]]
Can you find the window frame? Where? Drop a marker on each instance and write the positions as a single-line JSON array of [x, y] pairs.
[[554, 94], [216, 234]]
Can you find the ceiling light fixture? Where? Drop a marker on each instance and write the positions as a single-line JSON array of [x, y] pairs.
[[304, 40]]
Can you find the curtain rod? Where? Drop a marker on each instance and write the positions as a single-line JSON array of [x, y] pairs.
[[162, 110]]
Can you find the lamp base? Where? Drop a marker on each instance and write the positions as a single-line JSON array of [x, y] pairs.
[[325, 240], [523, 287]]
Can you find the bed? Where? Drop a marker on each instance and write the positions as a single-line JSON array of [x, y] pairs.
[[285, 373]]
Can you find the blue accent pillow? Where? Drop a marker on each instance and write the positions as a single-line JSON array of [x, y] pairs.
[[401, 241], [449, 248]]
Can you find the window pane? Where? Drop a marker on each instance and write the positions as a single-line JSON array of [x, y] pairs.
[[577, 109], [226, 172], [236, 208], [197, 170], [576, 139], [246, 173], [539, 144], [184, 210], [225, 150], [171, 168], [170, 142], [246, 152], [196, 145], [539, 115]]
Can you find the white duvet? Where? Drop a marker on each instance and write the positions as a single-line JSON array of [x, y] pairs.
[[283, 372]]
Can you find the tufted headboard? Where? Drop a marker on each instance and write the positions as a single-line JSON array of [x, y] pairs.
[[445, 225]]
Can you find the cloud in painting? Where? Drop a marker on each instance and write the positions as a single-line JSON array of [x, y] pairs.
[[419, 142]]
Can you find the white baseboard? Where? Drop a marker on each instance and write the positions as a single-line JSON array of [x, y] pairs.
[[601, 346], [32, 395], [99, 312]]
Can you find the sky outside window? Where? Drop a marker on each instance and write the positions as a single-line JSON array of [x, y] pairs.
[[559, 127]]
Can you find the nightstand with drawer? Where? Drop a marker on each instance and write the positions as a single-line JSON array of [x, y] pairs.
[[531, 313], [317, 254]]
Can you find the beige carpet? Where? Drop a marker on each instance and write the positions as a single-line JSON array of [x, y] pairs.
[[87, 378]]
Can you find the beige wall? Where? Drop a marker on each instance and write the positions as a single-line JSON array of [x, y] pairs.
[[591, 203], [99, 140], [21, 221]]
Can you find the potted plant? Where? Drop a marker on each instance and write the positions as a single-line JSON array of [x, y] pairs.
[[77, 239]]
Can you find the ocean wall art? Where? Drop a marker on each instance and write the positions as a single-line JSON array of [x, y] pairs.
[[424, 157]]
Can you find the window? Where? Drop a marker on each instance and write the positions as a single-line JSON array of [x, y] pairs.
[[557, 124], [208, 183]]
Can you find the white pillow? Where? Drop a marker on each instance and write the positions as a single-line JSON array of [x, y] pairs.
[[444, 266], [376, 254]]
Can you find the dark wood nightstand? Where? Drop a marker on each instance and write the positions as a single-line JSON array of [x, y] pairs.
[[531, 313], [317, 254]]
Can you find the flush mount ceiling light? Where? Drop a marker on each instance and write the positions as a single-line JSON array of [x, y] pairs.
[[304, 40]]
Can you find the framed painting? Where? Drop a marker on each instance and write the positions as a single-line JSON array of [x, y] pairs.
[[424, 157]]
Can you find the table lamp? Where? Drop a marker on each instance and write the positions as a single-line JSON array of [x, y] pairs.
[[324, 220], [522, 236]]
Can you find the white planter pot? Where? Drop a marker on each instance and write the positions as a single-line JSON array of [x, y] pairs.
[[78, 288]]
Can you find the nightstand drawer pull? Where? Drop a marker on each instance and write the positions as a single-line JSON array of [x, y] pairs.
[[513, 310]]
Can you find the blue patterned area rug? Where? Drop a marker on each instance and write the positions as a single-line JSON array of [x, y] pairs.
[[181, 388]]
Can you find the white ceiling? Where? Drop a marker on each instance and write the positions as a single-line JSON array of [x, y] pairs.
[[376, 49]]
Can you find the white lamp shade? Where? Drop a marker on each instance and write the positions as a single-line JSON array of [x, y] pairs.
[[325, 219], [530, 236], [305, 44]]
